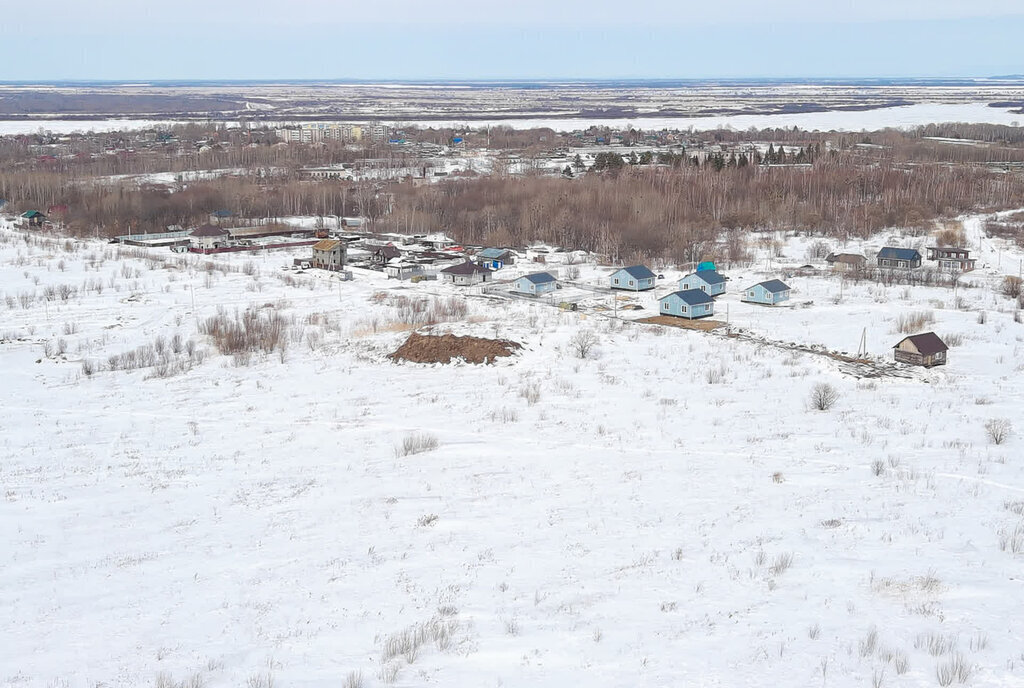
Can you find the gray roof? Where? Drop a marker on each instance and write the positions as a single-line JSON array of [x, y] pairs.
[[639, 272], [466, 268], [493, 253], [692, 297], [208, 231], [540, 277], [850, 258], [774, 285], [709, 276], [899, 253]]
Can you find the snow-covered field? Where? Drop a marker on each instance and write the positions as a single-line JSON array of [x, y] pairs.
[[904, 116], [667, 512]]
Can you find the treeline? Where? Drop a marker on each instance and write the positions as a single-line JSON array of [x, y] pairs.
[[110, 210], [664, 212]]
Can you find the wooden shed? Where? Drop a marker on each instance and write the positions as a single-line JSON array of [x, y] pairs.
[[925, 349]]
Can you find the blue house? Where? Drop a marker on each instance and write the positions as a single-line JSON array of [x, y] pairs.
[[495, 258], [690, 303], [634, 278], [769, 292], [890, 257], [706, 265], [535, 285], [707, 281]]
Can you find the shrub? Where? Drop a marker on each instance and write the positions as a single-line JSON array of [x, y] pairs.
[[417, 443], [914, 322], [998, 430], [250, 331], [823, 396], [955, 669], [1011, 287]]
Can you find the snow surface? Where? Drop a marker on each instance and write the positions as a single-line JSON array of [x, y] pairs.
[[615, 521], [904, 116]]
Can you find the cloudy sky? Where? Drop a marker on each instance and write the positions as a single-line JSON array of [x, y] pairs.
[[467, 39]]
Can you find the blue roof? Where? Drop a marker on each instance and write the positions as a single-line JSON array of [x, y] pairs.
[[692, 297], [492, 253], [221, 213], [709, 276], [540, 278], [639, 272], [899, 253], [774, 286]]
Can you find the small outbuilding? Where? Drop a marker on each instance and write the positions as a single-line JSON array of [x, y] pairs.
[[329, 254], [207, 236], [221, 216], [495, 258], [690, 303], [465, 274], [707, 281], [891, 257], [31, 218], [769, 292], [633, 278], [537, 284], [925, 349], [383, 254], [846, 262]]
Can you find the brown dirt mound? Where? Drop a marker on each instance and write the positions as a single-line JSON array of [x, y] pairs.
[[427, 348], [684, 323]]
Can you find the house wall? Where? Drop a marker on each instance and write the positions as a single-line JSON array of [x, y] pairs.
[[697, 283], [622, 279], [677, 307], [895, 263], [758, 294], [525, 286]]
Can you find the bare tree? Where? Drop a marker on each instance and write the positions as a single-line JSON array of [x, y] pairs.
[[823, 396], [582, 343]]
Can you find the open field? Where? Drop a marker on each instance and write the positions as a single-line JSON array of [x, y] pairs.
[[281, 505]]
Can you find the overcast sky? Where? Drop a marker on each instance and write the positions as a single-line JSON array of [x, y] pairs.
[[466, 39]]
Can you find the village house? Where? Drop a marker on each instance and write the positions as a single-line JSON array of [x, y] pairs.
[[495, 258], [689, 303], [769, 292], [536, 284], [220, 217], [925, 349], [383, 254], [465, 274], [207, 237], [633, 278], [952, 259], [438, 241], [31, 218], [846, 262], [890, 257], [329, 254], [707, 281]]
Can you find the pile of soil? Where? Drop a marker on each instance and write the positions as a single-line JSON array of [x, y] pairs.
[[427, 348]]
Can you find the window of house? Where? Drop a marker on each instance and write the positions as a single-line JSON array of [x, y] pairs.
[[631, 283], [616, 280], [666, 306]]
